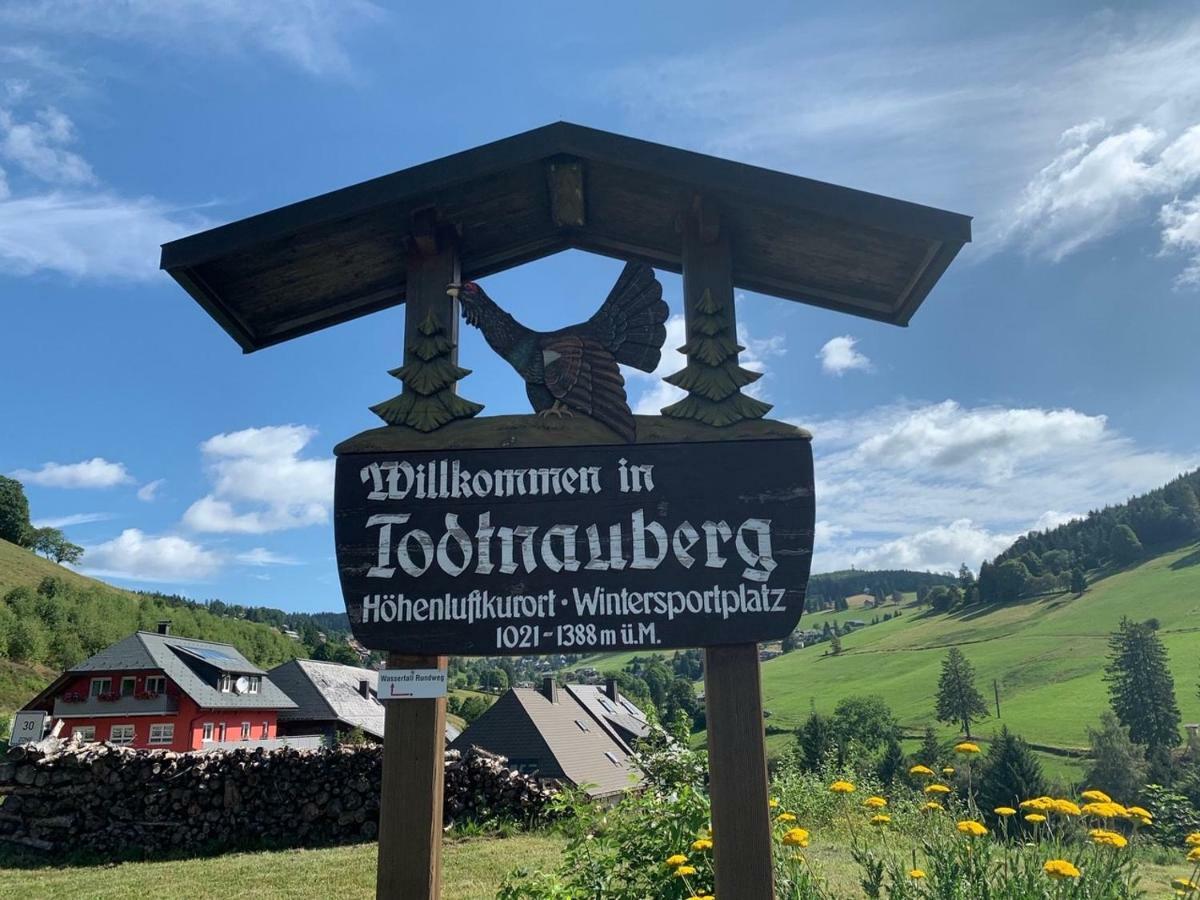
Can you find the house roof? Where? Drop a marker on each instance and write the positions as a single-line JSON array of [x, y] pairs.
[[563, 739], [328, 692], [304, 267], [192, 664], [620, 718]]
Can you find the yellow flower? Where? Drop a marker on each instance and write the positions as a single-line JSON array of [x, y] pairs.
[[701, 844], [702, 897], [1095, 796], [677, 860], [1004, 811], [932, 805], [915, 874], [684, 871], [880, 820], [1065, 808], [1035, 818], [773, 802], [972, 829], [1059, 869], [948, 771], [920, 770], [1194, 855], [1184, 886], [875, 802], [795, 837], [842, 787], [1104, 838], [937, 789], [1139, 813], [966, 747], [1101, 810], [1193, 839], [1038, 804], [785, 817]]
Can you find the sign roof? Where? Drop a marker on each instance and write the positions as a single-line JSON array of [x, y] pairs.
[[304, 267]]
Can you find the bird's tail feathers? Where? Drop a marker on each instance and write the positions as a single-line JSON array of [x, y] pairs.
[[631, 321]]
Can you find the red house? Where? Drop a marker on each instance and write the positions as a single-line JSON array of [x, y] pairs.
[[153, 689]]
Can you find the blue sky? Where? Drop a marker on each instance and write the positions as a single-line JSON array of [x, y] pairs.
[[1054, 368]]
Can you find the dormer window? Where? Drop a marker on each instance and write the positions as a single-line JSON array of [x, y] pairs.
[[225, 684], [255, 684]]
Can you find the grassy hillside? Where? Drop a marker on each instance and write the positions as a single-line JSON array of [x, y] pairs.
[[1047, 655], [21, 568]]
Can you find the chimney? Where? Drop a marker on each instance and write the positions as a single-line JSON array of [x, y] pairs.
[[364, 688], [164, 627], [610, 688], [550, 688]]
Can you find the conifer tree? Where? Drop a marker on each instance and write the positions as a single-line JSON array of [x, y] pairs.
[[1078, 581], [893, 763], [428, 401], [930, 753], [1140, 686], [1117, 762], [958, 699], [814, 741], [712, 376], [1010, 773]]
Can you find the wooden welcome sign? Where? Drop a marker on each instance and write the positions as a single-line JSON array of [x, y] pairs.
[[580, 527]]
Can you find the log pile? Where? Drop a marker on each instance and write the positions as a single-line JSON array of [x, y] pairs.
[[58, 796]]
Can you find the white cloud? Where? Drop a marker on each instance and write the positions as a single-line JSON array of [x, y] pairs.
[[307, 33], [261, 556], [97, 472], [74, 519], [39, 147], [1181, 232], [148, 492], [1049, 150], [262, 469], [137, 556], [838, 356], [1052, 518], [920, 481], [653, 393]]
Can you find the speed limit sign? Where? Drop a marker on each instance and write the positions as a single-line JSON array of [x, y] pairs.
[[27, 727]]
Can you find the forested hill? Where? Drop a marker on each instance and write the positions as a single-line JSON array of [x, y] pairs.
[[1105, 540], [829, 590]]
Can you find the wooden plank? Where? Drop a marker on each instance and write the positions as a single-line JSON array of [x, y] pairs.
[[428, 277], [410, 807], [567, 205], [737, 762]]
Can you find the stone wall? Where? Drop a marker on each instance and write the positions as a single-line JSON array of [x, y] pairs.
[[58, 796]]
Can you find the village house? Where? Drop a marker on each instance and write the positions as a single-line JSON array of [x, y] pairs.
[[331, 700], [156, 690], [577, 735]]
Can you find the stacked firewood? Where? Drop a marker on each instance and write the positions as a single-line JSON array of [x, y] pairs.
[[58, 796]]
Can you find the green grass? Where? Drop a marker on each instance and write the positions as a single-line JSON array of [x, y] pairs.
[[21, 568], [472, 870], [1048, 656]]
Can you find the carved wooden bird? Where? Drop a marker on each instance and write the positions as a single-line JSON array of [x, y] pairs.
[[575, 369]]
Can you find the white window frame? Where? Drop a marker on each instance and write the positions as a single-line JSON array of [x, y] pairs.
[[266, 730], [131, 730], [255, 682], [162, 733], [130, 680], [156, 684], [245, 731], [85, 733], [221, 730], [207, 734], [225, 684], [96, 682]]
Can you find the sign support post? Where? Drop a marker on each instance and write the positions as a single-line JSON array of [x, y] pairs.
[[414, 757], [737, 758]]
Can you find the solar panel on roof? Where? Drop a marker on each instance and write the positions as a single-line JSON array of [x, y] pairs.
[[209, 653]]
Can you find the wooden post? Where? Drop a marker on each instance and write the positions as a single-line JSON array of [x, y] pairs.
[[414, 731], [410, 802], [737, 758]]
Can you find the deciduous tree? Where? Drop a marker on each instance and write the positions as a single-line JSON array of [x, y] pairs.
[[14, 511]]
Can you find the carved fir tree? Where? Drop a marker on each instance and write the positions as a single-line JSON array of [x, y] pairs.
[[428, 401], [712, 377]]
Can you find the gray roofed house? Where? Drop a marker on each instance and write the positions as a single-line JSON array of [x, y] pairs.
[[549, 732], [624, 722], [331, 698]]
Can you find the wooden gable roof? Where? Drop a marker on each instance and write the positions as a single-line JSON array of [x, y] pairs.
[[332, 258]]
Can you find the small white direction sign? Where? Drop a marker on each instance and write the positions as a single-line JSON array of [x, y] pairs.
[[411, 684]]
